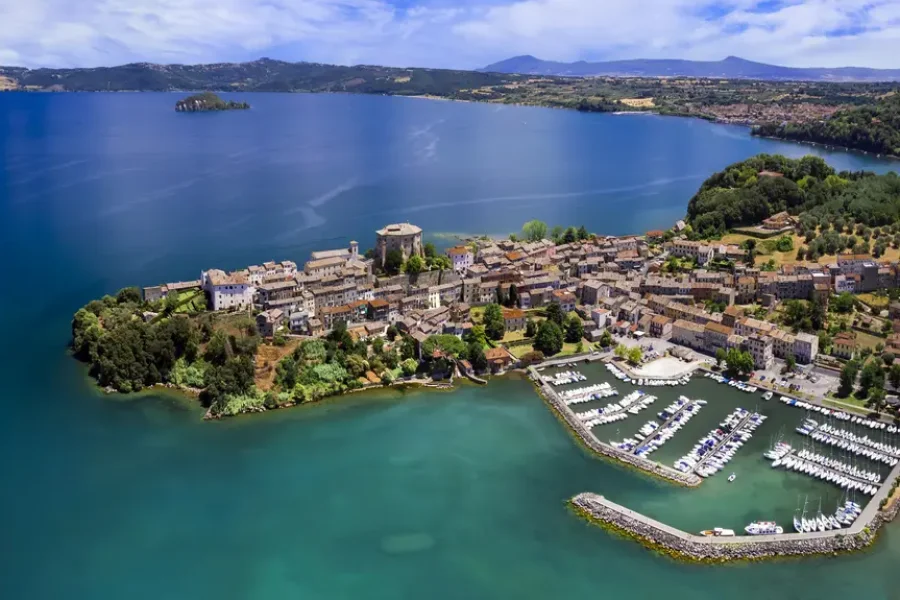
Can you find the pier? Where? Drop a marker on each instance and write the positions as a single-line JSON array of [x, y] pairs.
[[862, 441], [646, 441], [724, 441], [834, 472]]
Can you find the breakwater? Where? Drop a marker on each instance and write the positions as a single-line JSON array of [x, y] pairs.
[[697, 548], [606, 450]]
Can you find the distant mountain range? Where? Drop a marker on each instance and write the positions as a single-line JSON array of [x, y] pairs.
[[730, 68]]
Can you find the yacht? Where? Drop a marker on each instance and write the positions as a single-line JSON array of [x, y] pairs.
[[768, 396], [732, 477], [763, 528]]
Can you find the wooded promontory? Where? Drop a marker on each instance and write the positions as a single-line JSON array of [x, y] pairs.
[[208, 101]]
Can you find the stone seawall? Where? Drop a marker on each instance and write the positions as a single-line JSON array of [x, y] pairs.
[[681, 545], [603, 449]]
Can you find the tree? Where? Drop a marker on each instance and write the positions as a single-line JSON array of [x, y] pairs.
[[450, 345], [750, 246], [843, 303], [430, 250], [414, 265], [477, 358], [476, 335], [871, 376], [634, 355], [530, 328], [606, 339], [888, 358], [720, 356], [876, 399], [494, 323], [557, 234], [621, 351], [894, 376], [513, 298], [848, 379], [441, 263], [738, 361], [128, 295], [574, 329], [549, 338], [393, 261], [583, 233], [570, 235], [534, 231], [409, 366], [790, 363], [554, 313]]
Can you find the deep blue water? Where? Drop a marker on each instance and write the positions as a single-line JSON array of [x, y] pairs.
[[444, 495]]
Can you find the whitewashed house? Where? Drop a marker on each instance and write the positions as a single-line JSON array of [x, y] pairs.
[[233, 290]]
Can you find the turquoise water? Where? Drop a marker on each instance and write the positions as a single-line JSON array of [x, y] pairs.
[[457, 495]]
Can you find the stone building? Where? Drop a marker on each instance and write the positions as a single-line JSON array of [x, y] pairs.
[[404, 237]]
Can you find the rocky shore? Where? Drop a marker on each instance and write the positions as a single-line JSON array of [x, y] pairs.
[[684, 546], [590, 440]]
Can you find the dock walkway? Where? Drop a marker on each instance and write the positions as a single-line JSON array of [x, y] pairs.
[[832, 471], [665, 424], [724, 441], [867, 443]]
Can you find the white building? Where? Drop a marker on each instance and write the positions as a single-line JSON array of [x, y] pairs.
[[461, 257], [600, 317], [228, 291]]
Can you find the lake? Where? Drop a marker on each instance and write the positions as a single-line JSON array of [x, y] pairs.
[[439, 495]]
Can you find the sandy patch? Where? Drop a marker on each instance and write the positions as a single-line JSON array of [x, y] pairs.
[[638, 102]]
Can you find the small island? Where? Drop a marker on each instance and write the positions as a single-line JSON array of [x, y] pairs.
[[208, 101]]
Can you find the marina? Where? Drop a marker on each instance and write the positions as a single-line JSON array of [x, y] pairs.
[[724, 421]]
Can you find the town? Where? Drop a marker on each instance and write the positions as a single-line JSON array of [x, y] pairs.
[[612, 285]]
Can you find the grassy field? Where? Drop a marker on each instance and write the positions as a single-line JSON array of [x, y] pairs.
[[867, 340], [764, 254], [874, 301], [191, 302]]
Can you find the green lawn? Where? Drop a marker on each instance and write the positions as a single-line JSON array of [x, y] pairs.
[[191, 302]]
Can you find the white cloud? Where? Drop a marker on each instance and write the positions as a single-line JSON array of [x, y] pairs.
[[447, 33]]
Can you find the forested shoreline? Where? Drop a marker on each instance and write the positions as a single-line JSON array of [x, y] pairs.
[[873, 128], [750, 191]]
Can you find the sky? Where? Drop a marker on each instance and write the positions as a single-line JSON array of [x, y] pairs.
[[447, 33]]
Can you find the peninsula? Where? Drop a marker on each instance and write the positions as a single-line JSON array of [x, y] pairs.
[[778, 259], [207, 101], [729, 293]]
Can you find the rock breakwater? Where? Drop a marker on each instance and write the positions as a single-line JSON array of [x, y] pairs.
[[695, 548]]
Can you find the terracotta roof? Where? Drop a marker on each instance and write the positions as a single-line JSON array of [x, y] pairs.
[[496, 354], [719, 328], [513, 313]]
